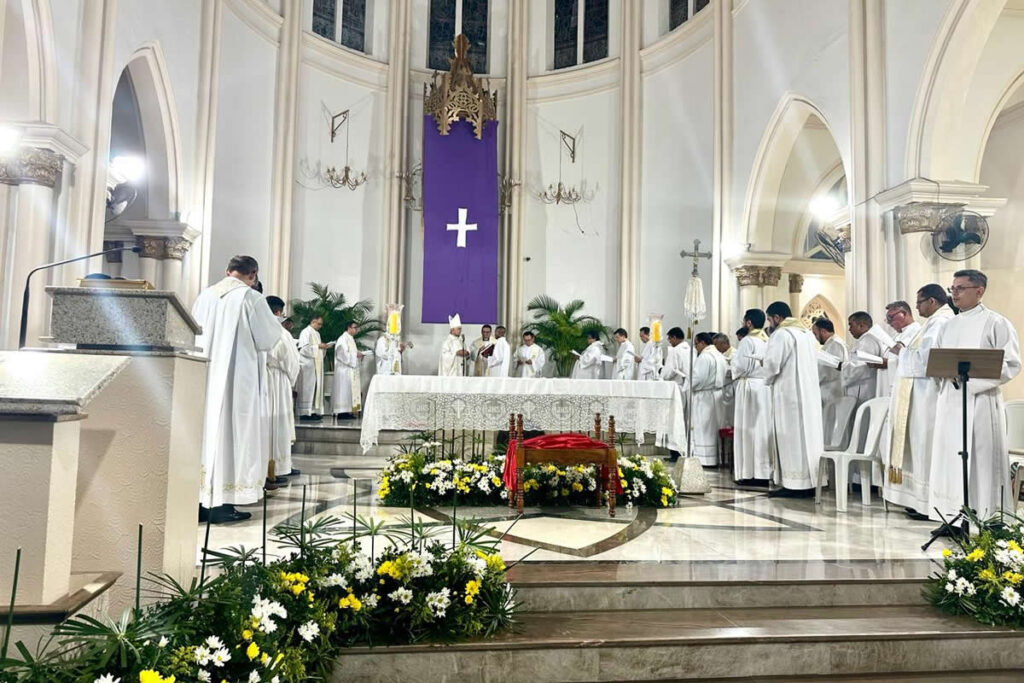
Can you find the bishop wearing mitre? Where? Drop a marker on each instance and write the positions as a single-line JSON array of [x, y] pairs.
[[529, 357], [453, 351]]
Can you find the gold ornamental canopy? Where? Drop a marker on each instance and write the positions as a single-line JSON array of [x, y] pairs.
[[460, 95]]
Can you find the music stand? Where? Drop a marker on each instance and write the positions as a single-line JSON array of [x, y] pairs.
[[961, 365]]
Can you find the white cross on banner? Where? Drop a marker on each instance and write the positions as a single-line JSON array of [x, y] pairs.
[[463, 227]]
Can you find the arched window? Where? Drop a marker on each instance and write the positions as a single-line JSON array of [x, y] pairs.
[[350, 31], [580, 32], [449, 18], [681, 10]]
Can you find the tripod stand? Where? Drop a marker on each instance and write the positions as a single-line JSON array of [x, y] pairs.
[[960, 364]]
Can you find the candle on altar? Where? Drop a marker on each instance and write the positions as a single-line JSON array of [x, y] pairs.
[[394, 325], [656, 328]]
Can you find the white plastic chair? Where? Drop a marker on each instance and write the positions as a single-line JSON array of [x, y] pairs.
[[863, 450], [1015, 443], [836, 422]]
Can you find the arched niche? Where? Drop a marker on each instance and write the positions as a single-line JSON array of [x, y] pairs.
[[820, 305], [28, 68]]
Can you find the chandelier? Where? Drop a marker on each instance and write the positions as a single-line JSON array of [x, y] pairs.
[[408, 179], [560, 193], [505, 188], [347, 177]]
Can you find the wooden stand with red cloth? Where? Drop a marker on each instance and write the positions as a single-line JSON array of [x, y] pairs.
[[561, 449]]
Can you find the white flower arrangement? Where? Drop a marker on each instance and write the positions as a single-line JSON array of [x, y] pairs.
[[107, 678], [309, 631], [439, 601], [402, 595], [263, 612]]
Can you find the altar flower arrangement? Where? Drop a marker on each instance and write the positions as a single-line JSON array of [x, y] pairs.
[[287, 620], [984, 577], [429, 477]]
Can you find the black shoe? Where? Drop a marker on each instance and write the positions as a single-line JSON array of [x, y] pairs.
[[270, 485], [316, 418], [280, 480], [222, 515], [915, 515], [305, 418], [673, 455], [757, 482], [293, 473], [791, 493]]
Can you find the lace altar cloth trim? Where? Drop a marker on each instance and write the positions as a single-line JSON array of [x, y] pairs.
[[410, 402]]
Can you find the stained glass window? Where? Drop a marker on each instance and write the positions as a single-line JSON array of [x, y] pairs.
[[677, 13], [353, 24], [595, 30], [323, 18], [442, 33], [474, 27], [698, 5], [566, 18]]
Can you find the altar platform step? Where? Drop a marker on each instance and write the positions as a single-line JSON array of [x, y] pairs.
[[742, 643], [593, 586]]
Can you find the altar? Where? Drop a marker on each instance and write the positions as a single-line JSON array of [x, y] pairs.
[[427, 403]]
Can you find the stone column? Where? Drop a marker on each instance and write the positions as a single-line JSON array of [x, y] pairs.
[[796, 286], [114, 266], [511, 258], [175, 249], [33, 174], [632, 120], [722, 169], [153, 252]]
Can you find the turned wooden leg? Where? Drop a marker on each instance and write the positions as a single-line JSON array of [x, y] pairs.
[[613, 482]]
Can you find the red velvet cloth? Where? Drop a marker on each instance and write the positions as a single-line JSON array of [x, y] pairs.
[[551, 441], [726, 432]]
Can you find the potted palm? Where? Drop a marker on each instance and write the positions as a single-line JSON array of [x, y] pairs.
[[337, 313], [562, 330]]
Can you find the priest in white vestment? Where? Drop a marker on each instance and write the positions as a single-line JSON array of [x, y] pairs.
[[677, 369], [725, 348], [625, 356], [753, 422], [861, 378], [649, 358], [791, 370], [387, 353], [310, 387], [476, 349], [830, 378], [282, 373], [900, 318], [237, 327], [908, 456], [347, 391], [452, 361], [975, 327], [499, 358], [589, 363], [530, 358], [709, 370]]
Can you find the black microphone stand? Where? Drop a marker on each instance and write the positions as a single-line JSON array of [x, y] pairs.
[[23, 330]]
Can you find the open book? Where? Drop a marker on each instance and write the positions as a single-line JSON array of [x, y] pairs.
[[866, 357], [828, 359]]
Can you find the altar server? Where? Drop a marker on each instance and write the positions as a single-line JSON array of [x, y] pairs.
[[649, 359], [725, 348], [346, 395], [530, 357], [790, 367], [500, 356], [311, 371], [753, 421], [588, 365], [476, 349], [709, 370], [625, 358], [282, 373], [975, 327], [453, 351], [677, 369], [912, 409], [237, 326]]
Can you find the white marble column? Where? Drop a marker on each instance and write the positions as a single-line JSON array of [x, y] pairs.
[[283, 177], [392, 245], [631, 138], [511, 260], [722, 169], [175, 249], [153, 251]]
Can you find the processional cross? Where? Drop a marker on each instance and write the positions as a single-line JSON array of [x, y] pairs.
[[694, 308]]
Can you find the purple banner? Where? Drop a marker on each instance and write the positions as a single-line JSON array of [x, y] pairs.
[[460, 223]]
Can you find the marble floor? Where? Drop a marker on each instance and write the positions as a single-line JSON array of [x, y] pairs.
[[728, 526]]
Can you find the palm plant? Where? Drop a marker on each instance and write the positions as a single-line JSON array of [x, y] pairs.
[[337, 314], [562, 330]]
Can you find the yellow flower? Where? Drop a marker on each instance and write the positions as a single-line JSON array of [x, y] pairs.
[[976, 555], [496, 481], [666, 491], [946, 552], [664, 502], [469, 599], [1013, 577], [354, 603], [624, 484], [1013, 545], [246, 635], [565, 492], [472, 587], [298, 588], [150, 676], [576, 486], [252, 652], [987, 575]]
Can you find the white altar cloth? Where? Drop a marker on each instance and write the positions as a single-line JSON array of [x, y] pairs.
[[425, 403]]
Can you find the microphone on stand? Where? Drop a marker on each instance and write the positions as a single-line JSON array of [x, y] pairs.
[[23, 330], [465, 359]]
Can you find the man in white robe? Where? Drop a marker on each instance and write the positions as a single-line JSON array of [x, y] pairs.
[[708, 379], [861, 378], [649, 359], [530, 358], [975, 327], [452, 361], [347, 390], [725, 348], [753, 428], [499, 358], [830, 378], [387, 353], [310, 386], [912, 409], [282, 373], [589, 363], [237, 327], [476, 349], [791, 370], [625, 356], [677, 369], [900, 318]]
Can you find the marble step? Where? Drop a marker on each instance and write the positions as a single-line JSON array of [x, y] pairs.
[[568, 586], [702, 644], [328, 433], [329, 449]]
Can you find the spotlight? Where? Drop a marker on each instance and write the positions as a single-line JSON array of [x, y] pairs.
[[824, 206], [9, 138], [130, 167]]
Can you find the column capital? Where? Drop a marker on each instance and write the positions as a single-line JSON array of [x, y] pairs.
[[796, 283], [757, 275], [35, 165], [175, 248], [152, 247]]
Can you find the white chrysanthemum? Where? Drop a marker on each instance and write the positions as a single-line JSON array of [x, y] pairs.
[[1010, 597], [263, 611], [402, 595], [309, 631], [949, 587], [334, 581], [107, 678], [478, 565], [439, 601], [203, 676], [221, 657], [202, 656], [963, 587], [214, 643], [370, 601], [254, 677], [951, 575]]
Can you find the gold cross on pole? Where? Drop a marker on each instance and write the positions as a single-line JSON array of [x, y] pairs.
[[695, 254]]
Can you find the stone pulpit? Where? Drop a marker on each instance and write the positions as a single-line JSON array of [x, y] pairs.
[[138, 446]]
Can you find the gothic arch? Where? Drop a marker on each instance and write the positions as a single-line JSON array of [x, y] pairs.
[[28, 65], [818, 305]]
